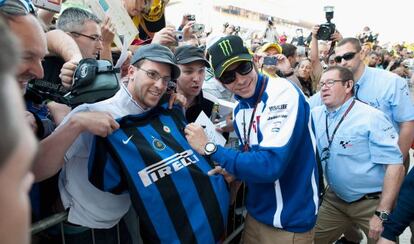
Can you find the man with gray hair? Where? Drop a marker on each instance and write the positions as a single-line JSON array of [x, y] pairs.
[[84, 27]]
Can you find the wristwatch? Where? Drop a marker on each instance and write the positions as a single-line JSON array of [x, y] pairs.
[[383, 215], [210, 148]]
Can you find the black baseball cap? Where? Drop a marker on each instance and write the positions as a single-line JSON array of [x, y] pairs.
[[188, 54], [227, 51], [157, 53]]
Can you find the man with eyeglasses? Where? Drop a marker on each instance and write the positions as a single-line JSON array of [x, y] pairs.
[[360, 157], [151, 69], [84, 27], [380, 89], [276, 158]]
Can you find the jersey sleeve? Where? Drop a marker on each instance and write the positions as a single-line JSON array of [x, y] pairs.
[[103, 170], [285, 125]]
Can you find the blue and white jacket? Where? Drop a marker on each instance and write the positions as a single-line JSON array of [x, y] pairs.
[[280, 168]]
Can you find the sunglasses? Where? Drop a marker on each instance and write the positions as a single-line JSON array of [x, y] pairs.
[[346, 56], [230, 76]]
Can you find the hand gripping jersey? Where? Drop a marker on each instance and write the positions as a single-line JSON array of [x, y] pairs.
[[177, 202]]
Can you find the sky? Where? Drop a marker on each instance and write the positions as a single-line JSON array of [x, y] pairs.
[[392, 20]]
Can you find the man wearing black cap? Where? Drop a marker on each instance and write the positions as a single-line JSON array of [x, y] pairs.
[[151, 69], [193, 65], [277, 162]]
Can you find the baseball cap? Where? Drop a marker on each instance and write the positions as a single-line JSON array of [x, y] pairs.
[[270, 45], [157, 53], [188, 53], [227, 51]]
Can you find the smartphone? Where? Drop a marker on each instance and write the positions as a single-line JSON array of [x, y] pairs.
[[51, 5], [269, 60], [198, 28]]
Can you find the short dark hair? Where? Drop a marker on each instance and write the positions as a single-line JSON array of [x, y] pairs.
[[345, 74], [8, 61], [73, 19], [354, 42], [288, 50]]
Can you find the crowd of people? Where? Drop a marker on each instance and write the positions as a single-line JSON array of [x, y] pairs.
[[323, 128]]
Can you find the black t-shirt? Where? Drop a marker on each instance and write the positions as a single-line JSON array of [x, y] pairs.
[[201, 104]]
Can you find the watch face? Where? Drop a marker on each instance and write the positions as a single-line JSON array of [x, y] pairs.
[[384, 216], [210, 147]]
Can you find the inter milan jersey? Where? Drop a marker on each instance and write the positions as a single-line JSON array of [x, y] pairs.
[[177, 202]]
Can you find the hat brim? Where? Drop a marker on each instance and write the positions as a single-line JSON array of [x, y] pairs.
[[194, 59], [175, 69], [223, 66]]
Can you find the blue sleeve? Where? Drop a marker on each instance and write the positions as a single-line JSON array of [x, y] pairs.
[[104, 172], [401, 104], [268, 161], [383, 140], [403, 213]]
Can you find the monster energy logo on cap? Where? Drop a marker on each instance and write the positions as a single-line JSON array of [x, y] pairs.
[[226, 47]]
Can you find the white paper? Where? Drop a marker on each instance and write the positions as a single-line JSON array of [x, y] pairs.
[[210, 129], [123, 56], [225, 107], [119, 18]]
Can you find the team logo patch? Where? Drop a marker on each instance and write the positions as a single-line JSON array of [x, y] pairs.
[[345, 144], [157, 144], [167, 129]]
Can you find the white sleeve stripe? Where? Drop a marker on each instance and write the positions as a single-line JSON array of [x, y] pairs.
[[279, 206], [315, 192]]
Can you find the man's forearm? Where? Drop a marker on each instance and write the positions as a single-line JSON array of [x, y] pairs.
[[406, 137], [52, 150], [61, 44], [393, 178]]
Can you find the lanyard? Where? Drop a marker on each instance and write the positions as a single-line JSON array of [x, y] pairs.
[[330, 139], [246, 136]]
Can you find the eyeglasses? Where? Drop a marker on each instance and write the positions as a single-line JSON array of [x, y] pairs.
[[230, 76], [154, 75], [346, 56], [328, 83], [93, 38]]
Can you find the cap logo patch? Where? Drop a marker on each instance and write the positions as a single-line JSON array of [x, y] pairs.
[[226, 47]]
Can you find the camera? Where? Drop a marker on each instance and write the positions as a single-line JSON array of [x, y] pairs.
[[179, 36], [269, 60], [191, 17], [327, 29], [93, 81], [197, 28]]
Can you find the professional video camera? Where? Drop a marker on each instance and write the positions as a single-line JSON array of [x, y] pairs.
[[93, 81], [327, 29]]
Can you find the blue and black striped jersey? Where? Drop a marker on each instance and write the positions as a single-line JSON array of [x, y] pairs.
[[177, 202]]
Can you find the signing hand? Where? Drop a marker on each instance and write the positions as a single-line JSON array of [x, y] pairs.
[[196, 137]]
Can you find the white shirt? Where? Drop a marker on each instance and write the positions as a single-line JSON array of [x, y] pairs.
[[89, 206]]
